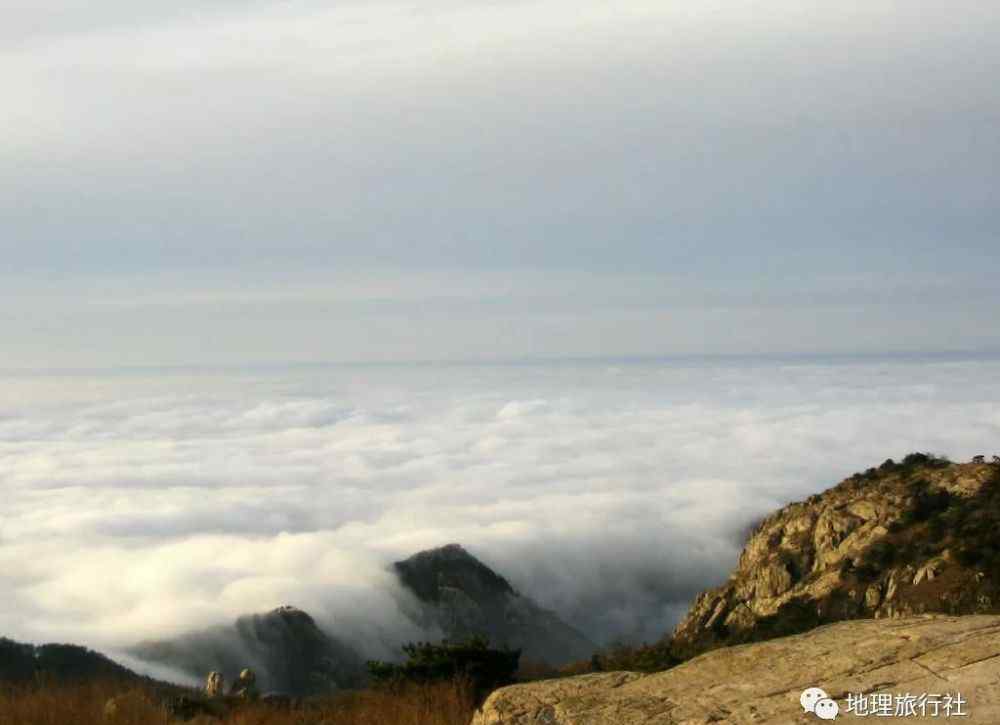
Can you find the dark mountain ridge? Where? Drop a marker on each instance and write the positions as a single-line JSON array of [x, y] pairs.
[[428, 573], [457, 594], [285, 647], [465, 598], [21, 662]]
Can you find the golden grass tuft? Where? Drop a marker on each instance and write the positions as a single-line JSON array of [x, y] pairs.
[[443, 703]]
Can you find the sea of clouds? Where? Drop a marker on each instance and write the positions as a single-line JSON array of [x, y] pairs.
[[140, 505]]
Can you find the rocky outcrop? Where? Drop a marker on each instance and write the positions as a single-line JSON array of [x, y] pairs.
[[913, 537], [245, 686], [215, 684], [465, 598], [761, 683]]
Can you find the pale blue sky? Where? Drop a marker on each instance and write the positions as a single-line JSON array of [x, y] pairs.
[[221, 182]]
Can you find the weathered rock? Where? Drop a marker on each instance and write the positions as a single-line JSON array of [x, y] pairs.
[[929, 570], [873, 596], [246, 685], [879, 544], [772, 580], [215, 684], [892, 584], [761, 683]]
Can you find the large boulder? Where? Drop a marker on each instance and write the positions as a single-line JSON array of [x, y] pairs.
[[761, 683]]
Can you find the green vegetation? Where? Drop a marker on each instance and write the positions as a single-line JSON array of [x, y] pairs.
[[635, 658], [911, 463], [473, 660]]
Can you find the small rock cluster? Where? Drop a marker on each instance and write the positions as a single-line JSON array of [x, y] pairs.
[[192, 708], [245, 686]]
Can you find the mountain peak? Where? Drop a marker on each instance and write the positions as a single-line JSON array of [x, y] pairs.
[[467, 598], [905, 538], [428, 572], [289, 612], [287, 649]]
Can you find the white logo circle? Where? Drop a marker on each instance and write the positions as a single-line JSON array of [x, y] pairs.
[[810, 697], [826, 709]]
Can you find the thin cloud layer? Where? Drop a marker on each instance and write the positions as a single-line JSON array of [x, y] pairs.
[[139, 507], [791, 177]]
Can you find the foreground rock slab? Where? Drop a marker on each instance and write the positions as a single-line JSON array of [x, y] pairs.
[[762, 682]]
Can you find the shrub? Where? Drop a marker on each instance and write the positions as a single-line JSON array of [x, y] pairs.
[[866, 571], [531, 670], [915, 460], [969, 556], [635, 658], [880, 554], [927, 504], [473, 659], [794, 616]]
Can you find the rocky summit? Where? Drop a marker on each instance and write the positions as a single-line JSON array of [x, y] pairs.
[[465, 598], [905, 538], [762, 683]]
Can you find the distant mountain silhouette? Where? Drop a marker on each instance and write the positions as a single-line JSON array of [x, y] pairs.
[[465, 598], [20, 662], [285, 647], [289, 652]]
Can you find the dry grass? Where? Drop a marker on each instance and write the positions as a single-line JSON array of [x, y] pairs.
[[449, 703]]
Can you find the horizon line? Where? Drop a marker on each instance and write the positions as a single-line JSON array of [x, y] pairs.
[[527, 361]]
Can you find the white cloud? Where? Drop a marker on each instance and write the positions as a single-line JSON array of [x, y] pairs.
[[141, 506]]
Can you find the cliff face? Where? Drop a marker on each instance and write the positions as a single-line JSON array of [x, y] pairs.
[[907, 538], [466, 598]]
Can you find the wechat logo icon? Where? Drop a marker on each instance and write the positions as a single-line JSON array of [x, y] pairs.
[[816, 701]]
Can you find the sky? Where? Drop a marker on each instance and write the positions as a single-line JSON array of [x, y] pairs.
[[145, 505], [213, 182], [795, 204]]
